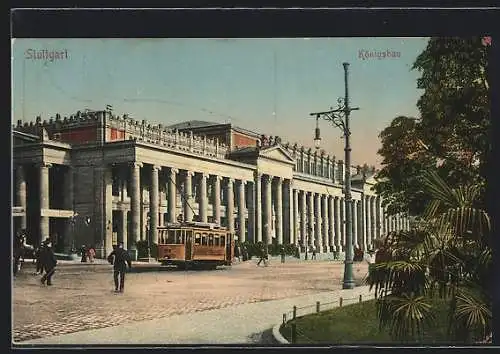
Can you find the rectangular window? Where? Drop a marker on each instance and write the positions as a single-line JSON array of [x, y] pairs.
[[210, 239], [204, 239], [197, 238]]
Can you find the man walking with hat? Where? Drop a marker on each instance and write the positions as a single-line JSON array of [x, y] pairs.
[[48, 262], [119, 258]]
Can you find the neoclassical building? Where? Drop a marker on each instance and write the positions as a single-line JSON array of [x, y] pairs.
[[97, 178]]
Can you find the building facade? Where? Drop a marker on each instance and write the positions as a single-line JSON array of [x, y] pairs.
[[95, 179]]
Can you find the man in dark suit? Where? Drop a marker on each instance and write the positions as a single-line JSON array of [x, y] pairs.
[[49, 262], [119, 258]]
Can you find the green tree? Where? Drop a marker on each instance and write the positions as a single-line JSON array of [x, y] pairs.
[[452, 133], [399, 182], [455, 105]]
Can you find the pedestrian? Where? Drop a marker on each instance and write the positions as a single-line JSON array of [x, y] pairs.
[[91, 254], [282, 253], [237, 252], [83, 250], [49, 262], [313, 252], [38, 259], [262, 256], [17, 250], [119, 258]]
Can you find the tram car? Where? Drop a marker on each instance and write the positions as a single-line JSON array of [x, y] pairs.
[[195, 245]]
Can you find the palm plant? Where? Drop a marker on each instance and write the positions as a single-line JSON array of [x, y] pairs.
[[447, 254]]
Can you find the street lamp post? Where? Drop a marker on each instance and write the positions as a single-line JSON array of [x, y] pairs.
[[340, 118]]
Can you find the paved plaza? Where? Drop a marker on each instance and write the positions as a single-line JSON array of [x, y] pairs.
[[229, 305]]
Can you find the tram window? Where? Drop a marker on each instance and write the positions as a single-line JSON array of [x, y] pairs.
[[204, 239], [222, 240], [182, 236], [197, 238], [216, 240], [210, 239], [171, 237]]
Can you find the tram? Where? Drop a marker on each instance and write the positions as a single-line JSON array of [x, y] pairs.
[[195, 245]]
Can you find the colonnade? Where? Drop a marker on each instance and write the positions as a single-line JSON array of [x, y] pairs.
[[264, 208]]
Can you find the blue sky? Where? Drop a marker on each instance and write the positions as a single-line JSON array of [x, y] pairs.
[[266, 85]]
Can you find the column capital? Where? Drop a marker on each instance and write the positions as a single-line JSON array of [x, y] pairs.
[[135, 164], [242, 182], [174, 170], [189, 173], [268, 178], [216, 177], [279, 179], [257, 174], [230, 181], [204, 175], [156, 168]]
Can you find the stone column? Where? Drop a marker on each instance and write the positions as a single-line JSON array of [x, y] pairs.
[[303, 218], [268, 212], [258, 207], [68, 205], [374, 220], [154, 201], [325, 220], [338, 224], [188, 192], [172, 195], [368, 218], [135, 201], [379, 220], [295, 218], [288, 220], [311, 232], [354, 208], [279, 210], [362, 220], [107, 218], [251, 211], [44, 200], [318, 229], [361, 237], [241, 210], [230, 204], [216, 199], [203, 205], [21, 193], [343, 229], [331, 224]]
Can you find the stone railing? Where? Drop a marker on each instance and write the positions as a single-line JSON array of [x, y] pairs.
[[171, 138]]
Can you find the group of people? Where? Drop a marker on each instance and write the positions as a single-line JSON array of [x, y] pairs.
[[44, 257]]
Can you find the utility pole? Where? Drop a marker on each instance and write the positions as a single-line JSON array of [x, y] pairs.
[[340, 118]]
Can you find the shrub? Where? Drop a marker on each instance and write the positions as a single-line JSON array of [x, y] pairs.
[[142, 249]]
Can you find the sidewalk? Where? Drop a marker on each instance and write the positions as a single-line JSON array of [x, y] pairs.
[[240, 324]]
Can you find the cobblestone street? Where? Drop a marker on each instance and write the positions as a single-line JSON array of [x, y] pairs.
[[82, 300]]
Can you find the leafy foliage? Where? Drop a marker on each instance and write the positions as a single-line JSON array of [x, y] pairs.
[[451, 136], [447, 254]]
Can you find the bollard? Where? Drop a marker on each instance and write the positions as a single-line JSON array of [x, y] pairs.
[[340, 302], [317, 306], [360, 298], [294, 312], [294, 333]]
